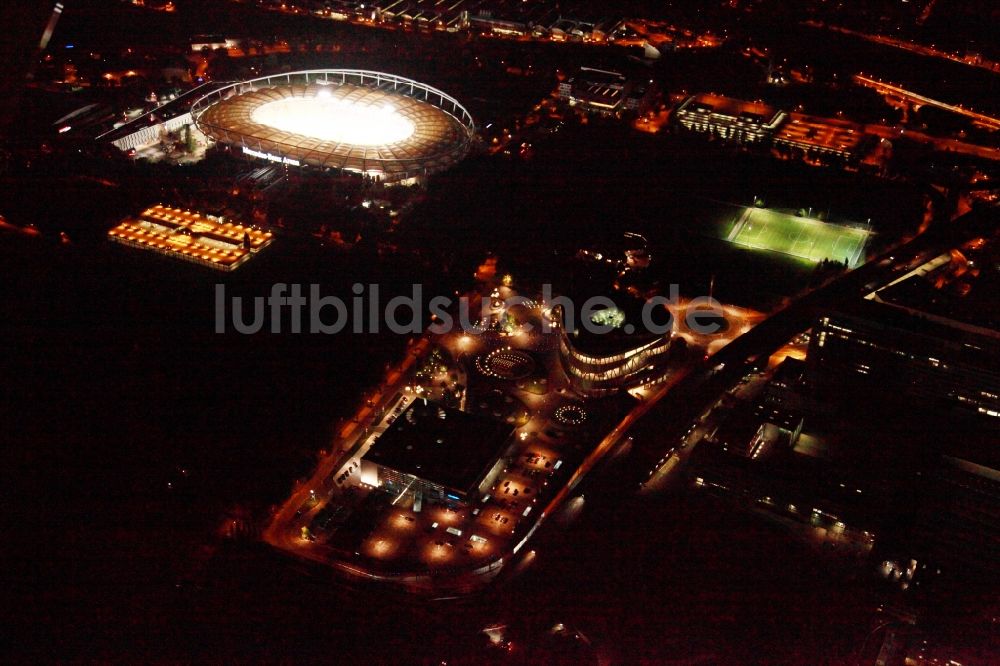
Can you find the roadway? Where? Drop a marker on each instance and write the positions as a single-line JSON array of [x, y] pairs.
[[938, 143], [913, 47], [175, 107], [916, 98]]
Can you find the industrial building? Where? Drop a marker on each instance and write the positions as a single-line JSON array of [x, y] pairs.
[[435, 452], [931, 359], [195, 237], [823, 137], [731, 119], [606, 92], [746, 122]]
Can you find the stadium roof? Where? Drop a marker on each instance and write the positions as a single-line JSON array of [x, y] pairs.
[[445, 446], [441, 128]]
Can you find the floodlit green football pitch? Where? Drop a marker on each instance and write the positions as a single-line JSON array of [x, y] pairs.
[[802, 237]]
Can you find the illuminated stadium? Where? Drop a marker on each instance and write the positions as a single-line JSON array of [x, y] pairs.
[[360, 121]]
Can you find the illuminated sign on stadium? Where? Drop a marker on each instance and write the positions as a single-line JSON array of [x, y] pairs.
[[268, 156]]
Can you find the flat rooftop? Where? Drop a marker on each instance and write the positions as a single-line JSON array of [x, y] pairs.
[[728, 106], [626, 313], [952, 286], [977, 346], [824, 133], [441, 445], [191, 236], [599, 76], [608, 97], [916, 294]]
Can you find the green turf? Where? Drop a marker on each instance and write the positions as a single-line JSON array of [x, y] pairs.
[[805, 238]]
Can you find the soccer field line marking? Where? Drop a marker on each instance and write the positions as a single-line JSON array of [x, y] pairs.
[[738, 227], [798, 239], [859, 251]]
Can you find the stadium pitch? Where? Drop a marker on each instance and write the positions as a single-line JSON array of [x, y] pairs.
[[802, 237]]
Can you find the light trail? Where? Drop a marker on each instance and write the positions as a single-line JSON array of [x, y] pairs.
[[889, 88]]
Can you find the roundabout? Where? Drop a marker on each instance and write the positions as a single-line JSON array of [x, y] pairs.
[[506, 363], [572, 415]]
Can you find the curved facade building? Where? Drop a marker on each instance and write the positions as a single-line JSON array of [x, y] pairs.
[[613, 351], [616, 369]]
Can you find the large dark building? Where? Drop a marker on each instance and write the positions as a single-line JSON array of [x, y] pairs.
[[957, 523], [437, 453], [932, 360]]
